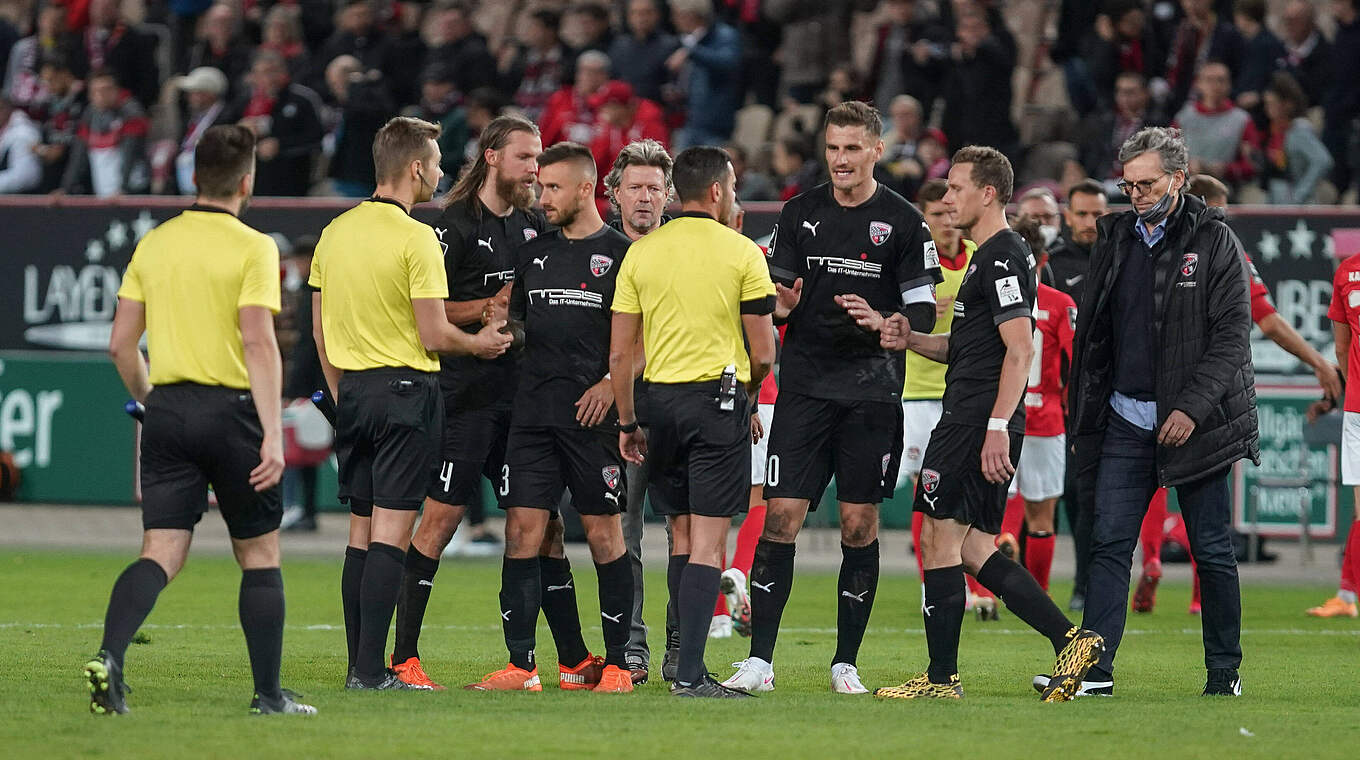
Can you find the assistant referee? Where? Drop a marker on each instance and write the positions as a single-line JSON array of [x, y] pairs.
[[204, 288], [692, 288], [378, 302]]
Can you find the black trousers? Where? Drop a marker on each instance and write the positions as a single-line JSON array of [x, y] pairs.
[[1126, 482]]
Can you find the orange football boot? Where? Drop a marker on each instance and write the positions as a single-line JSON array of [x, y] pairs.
[[411, 672], [614, 680], [583, 677], [1334, 607], [509, 678]]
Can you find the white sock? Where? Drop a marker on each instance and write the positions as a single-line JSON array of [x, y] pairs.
[[1346, 596]]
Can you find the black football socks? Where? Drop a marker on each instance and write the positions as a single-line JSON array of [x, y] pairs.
[[377, 600], [698, 595], [615, 581], [416, 585], [1017, 588], [351, 578], [942, 610], [559, 607], [854, 598], [261, 609], [133, 596], [771, 582], [521, 595]]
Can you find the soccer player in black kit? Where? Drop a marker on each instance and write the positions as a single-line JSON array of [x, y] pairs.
[[486, 216], [839, 410], [564, 430], [972, 453]]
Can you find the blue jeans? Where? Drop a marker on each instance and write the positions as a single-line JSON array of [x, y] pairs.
[[1124, 485]]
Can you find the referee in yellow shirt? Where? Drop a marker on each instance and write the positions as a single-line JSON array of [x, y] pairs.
[[692, 288], [204, 288], [378, 305]]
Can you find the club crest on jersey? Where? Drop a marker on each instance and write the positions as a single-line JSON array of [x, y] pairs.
[[599, 265], [611, 476], [530, 233], [1189, 263], [879, 232], [930, 480]]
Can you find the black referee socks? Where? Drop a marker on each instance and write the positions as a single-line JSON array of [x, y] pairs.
[[943, 614], [351, 577], [854, 598], [416, 585], [559, 607], [377, 600], [698, 595], [771, 581], [1017, 588], [616, 607], [521, 595], [675, 567], [261, 609], [133, 596]]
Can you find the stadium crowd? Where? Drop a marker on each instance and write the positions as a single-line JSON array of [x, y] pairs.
[[109, 98]]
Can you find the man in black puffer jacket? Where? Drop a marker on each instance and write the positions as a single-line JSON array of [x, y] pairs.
[[1163, 393]]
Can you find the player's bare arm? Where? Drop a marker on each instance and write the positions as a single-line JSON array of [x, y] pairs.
[[331, 372], [1018, 335], [264, 366], [786, 298], [129, 322], [438, 334], [624, 342], [1278, 330]]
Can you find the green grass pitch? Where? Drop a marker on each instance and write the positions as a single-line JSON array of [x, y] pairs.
[[192, 681]]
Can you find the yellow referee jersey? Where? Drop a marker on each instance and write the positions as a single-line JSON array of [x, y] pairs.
[[925, 378], [194, 273], [370, 262], [688, 279]]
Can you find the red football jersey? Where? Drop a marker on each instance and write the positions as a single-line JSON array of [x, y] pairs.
[[1346, 310], [1054, 325], [1261, 307], [769, 387]]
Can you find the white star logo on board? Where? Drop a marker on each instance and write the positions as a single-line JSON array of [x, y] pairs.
[[1301, 241], [94, 251], [142, 225], [1269, 247], [117, 236]]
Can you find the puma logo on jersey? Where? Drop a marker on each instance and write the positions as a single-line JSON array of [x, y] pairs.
[[930, 500], [612, 497], [485, 244], [564, 587], [540, 262], [812, 227], [857, 597], [1006, 265], [766, 588], [611, 618]]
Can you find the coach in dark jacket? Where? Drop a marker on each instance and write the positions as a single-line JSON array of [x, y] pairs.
[[1163, 392]]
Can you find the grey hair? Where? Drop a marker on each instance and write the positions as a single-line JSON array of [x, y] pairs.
[[640, 153], [594, 58], [701, 8], [1166, 141], [906, 100], [1039, 192]]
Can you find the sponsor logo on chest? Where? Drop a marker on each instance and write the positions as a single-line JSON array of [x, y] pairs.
[[566, 297], [860, 267]]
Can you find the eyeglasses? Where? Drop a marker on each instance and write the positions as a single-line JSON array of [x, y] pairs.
[[1143, 187]]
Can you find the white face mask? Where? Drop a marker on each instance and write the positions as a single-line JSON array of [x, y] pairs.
[[1049, 234], [292, 279]]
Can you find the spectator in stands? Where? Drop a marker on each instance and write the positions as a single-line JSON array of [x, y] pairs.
[[841, 85], [1341, 103], [588, 23], [1219, 135], [1293, 159], [1307, 53], [363, 107], [111, 43], [285, 118], [816, 38], [61, 110], [909, 57], [752, 185], [1262, 53], [108, 157], [357, 34], [457, 45], [900, 162], [222, 47], [1041, 205], [623, 118], [23, 84], [977, 92], [645, 47], [482, 106], [568, 115], [932, 150], [439, 104], [708, 64], [534, 67], [282, 33], [1202, 36], [406, 51], [760, 72], [184, 19], [1122, 42], [205, 88], [795, 160], [21, 170], [1103, 131]]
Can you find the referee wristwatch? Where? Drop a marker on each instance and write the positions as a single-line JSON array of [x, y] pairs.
[[628, 428]]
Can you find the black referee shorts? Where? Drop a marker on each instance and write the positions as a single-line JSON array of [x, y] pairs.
[[474, 445], [952, 486], [811, 439], [700, 455], [387, 437], [542, 461], [200, 435]]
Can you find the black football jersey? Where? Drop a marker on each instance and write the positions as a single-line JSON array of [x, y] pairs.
[[563, 292], [879, 250], [479, 258], [998, 286]]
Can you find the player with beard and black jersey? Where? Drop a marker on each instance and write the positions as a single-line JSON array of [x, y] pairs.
[[972, 453], [563, 431], [486, 217], [839, 410]]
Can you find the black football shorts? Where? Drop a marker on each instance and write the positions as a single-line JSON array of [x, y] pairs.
[[812, 439], [387, 437], [542, 461], [700, 455], [474, 445], [952, 487]]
